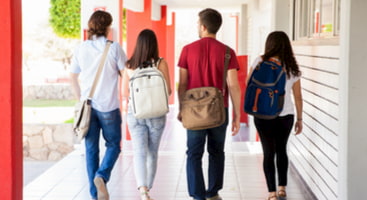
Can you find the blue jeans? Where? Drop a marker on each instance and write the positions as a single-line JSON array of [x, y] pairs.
[[110, 123], [195, 149], [146, 136]]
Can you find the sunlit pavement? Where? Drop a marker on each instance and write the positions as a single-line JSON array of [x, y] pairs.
[[244, 179]]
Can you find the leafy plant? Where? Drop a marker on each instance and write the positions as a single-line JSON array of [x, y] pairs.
[[124, 26], [65, 18], [69, 121]]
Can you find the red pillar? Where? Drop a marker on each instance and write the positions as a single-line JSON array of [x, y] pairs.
[[170, 56], [160, 29], [136, 22], [166, 42], [11, 153], [242, 76]]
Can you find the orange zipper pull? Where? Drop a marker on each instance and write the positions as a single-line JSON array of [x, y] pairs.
[[258, 91]]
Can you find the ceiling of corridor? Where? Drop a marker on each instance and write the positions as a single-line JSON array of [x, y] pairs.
[[181, 4]]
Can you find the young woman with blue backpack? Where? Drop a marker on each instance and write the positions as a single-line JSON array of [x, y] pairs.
[[274, 130]]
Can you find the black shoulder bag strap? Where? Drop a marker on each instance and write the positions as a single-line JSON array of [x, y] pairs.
[[227, 57]]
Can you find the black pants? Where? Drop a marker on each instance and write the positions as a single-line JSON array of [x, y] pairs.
[[274, 136]]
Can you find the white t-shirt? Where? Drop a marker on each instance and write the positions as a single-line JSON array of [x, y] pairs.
[[288, 108], [86, 60]]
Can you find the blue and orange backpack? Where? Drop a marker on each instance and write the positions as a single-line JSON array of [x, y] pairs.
[[265, 91]]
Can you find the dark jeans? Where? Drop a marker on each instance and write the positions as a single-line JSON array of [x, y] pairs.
[[195, 149], [110, 123], [274, 136]]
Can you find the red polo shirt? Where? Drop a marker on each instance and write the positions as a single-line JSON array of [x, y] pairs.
[[204, 61]]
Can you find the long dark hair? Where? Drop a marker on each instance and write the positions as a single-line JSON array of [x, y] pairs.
[[99, 23], [278, 44], [146, 49]]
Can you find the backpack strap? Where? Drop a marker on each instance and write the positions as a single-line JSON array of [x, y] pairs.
[[227, 57], [100, 67], [150, 63], [275, 60], [156, 64]]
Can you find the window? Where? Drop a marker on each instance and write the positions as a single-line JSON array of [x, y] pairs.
[[303, 19], [337, 17], [316, 18]]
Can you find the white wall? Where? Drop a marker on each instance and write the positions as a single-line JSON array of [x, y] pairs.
[[353, 147], [187, 30], [281, 20], [134, 5], [243, 30], [315, 152], [259, 26], [331, 152]]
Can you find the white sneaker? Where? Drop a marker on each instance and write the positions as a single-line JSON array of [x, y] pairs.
[[101, 189]]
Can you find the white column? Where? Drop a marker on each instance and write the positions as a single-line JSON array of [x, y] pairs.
[[156, 11], [134, 5], [353, 138], [243, 31], [281, 16]]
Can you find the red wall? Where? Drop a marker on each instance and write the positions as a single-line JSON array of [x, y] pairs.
[[137, 21], [160, 30], [11, 157], [242, 76], [170, 55]]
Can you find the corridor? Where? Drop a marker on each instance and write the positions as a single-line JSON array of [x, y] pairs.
[[244, 180]]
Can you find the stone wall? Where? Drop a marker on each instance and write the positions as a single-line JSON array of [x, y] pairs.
[[47, 141], [48, 91]]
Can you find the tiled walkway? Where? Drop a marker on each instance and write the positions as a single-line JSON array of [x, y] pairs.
[[244, 179]]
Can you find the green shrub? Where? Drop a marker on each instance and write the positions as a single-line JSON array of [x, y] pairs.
[[69, 121], [65, 18]]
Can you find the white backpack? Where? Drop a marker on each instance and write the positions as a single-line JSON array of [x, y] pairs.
[[148, 92]]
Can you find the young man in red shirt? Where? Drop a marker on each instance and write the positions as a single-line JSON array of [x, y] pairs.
[[202, 64]]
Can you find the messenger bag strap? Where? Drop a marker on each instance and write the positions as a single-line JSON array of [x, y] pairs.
[[100, 67], [226, 63]]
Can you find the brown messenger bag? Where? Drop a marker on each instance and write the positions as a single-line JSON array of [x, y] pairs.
[[203, 107]]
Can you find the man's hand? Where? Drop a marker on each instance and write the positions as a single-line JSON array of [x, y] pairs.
[[179, 117], [235, 126], [298, 127]]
